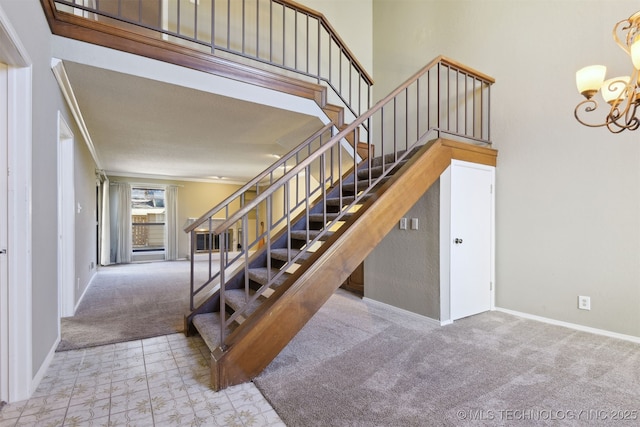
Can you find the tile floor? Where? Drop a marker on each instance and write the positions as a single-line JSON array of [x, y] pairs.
[[160, 381]]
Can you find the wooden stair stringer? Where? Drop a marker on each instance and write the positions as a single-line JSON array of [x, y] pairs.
[[260, 339]]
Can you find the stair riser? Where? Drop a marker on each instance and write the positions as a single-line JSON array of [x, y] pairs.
[[363, 174], [362, 185], [390, 158]]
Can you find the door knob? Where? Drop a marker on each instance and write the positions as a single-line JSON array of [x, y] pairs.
[[457, 241]]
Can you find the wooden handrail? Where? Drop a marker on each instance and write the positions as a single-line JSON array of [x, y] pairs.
[[466, 69]]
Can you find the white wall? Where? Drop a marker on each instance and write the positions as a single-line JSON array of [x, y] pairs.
[[352, 19], [568, 197], [85, 218]]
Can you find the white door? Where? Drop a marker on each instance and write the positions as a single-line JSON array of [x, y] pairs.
[[471, 238], [4, 202]]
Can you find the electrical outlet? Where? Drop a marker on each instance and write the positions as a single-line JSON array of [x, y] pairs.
[[584, 303], [403, 223]]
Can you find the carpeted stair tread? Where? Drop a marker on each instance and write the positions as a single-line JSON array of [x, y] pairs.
[[319, 217], [281, 254], [302, 234], [346, 200], [208, 326], [236, 299], [390, 158], [362, 185], [261, 275], [376, 171]]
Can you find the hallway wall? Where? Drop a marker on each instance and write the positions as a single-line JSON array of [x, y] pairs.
[[27, 18]]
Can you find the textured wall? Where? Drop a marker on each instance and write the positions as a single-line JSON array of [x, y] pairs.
[[404, 269]]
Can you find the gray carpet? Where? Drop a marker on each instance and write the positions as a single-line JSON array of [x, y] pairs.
[[129, 302], [359, 364]]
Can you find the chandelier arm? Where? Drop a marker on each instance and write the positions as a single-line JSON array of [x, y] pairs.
[[618, 29], [588, 106], [625, 118], [617, 129], [632, 96], [614, 122], [632, 120]]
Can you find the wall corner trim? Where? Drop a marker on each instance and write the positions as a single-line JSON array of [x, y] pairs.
[[57, 66]]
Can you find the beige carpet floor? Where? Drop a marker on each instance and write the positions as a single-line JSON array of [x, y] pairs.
[[359, 364], [129, 302]]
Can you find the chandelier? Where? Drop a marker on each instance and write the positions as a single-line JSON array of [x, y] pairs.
[[622, 94]]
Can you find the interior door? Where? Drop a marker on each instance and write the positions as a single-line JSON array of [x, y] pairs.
[[472, 238]]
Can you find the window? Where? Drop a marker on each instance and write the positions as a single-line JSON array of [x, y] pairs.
[[147, 219]]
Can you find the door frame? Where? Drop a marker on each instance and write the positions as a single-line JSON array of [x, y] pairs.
[[16, 331], [4, 230], [66, 220]]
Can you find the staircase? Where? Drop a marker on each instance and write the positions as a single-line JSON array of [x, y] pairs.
[[327, 203], [269, 320], [326, 212]]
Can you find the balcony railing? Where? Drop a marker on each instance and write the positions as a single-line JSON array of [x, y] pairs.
[[275, 34]]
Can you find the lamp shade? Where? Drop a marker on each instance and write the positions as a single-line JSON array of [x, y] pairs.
[[589, 79], [635, 54]]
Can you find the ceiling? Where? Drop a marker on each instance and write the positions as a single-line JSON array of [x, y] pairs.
[[147, 128]]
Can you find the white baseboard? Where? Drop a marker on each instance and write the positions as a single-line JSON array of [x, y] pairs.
[[44, 367], [571, 325], [404, 312], [86, 288]]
